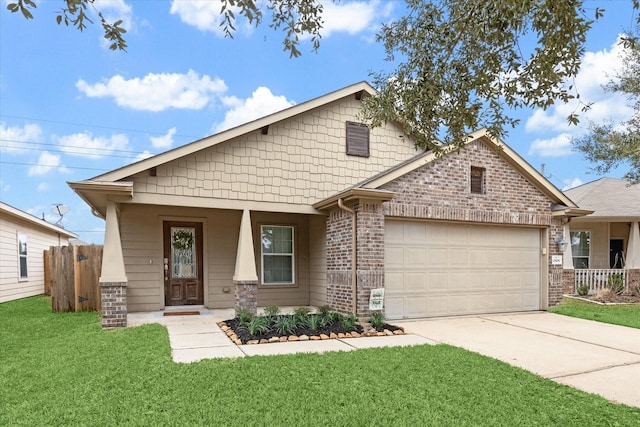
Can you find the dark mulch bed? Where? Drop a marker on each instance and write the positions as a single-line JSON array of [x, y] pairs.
[[334, 327]]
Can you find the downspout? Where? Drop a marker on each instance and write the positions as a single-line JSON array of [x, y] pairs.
[[354, 254]]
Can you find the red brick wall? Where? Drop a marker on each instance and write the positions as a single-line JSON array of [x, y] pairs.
[[441, 190]]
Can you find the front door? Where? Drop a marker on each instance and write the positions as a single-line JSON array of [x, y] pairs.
[[183, 263], [616, 247]]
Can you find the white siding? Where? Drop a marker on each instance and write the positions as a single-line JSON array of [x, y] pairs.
[[38, 240]]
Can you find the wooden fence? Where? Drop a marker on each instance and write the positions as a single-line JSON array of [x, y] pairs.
[[71, 277]]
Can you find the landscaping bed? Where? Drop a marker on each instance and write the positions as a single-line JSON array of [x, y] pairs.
[[302, 325]]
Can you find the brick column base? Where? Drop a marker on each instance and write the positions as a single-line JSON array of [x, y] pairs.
[[246, 294], [367, 280], [113, 297], [569, 281]]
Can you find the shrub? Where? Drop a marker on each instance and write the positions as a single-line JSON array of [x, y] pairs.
[[244, 316], [313, 321], [603, 295], [324, 310], [616, 284], [348, 321], [635, 290], [258, 325], [377, 319], [583, 289], [285, 325], [271, 311], [301, 314]]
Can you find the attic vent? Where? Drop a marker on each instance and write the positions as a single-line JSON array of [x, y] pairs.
[[477, 180], [357, 139]]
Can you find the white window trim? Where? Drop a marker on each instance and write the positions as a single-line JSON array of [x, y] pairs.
[[292, 254], [22, 237], [573, 256]]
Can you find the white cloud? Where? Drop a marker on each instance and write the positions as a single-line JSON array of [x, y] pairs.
[[144, 155], [13, 139], [47, 162], [261, 103], [4, 187], [157, 92], [598, 68], [206, 16], [44, 186], [553, 147], [353, 17], [165, 141], [571, 183], [94, 147]]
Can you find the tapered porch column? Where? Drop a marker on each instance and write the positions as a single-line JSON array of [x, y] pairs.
[[113, 278], [245, 277], [568, 272], [633, 248]]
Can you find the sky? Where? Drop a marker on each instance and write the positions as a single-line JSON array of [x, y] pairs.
[[71, 109]]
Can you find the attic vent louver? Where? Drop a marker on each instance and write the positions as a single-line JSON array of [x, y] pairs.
[[357, 139]]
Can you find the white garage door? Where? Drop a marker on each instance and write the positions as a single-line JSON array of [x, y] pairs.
[[442, 269]]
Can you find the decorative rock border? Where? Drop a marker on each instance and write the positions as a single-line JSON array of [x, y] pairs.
[[369, 333]]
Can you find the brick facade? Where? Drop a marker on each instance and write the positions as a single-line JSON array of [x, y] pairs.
[[339, 255], [113, 297], [439, 190], [569, 281]]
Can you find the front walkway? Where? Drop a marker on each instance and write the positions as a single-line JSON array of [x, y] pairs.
[[194, 338]]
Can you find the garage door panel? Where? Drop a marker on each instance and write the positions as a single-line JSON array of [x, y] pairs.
[[451, 269], [416, 282]]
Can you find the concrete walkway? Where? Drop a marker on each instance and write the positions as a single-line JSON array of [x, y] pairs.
[[590, 356], [194, 338]]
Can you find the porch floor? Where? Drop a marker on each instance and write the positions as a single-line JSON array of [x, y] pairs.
[[197, 337]]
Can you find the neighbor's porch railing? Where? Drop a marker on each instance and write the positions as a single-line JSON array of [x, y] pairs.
[[597, 278]]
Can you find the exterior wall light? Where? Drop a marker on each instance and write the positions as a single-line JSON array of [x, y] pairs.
[[562, 243]]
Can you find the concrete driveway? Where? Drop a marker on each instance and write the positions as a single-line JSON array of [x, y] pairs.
[[590, 356]]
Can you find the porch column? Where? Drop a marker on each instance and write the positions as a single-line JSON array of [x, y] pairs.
[[113, 278], [568, 272], [633, 248], [370, 252], [245, 277]]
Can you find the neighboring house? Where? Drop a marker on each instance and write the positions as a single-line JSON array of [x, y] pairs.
[[23, 240], [607, 241], [309, 207]]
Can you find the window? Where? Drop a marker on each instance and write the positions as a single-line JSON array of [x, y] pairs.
[[277, 255], [22, 257], [357, 139], [580, 248], [477, 180]]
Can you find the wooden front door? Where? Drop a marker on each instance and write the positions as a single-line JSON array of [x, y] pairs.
[[183, 263]]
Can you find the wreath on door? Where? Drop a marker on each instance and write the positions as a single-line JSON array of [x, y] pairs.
[[183, 240]]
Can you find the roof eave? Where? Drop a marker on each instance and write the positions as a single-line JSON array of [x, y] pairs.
[[354, 194]]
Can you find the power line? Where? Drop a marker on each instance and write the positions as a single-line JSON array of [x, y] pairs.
[[55, 167], [87, 152], [97, 126]]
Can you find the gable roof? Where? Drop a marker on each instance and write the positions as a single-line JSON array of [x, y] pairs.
[[37, 222], [563, 205], [608, 198], [359, 89]]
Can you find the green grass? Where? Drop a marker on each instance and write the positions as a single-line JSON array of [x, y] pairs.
[[624, 315], [63, 370]]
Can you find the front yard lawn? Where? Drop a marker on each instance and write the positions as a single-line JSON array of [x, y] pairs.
[[623, 315], [63, 370]]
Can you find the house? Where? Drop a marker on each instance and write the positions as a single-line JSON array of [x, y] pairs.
[[607, 241], [308, 206], [23, 240]]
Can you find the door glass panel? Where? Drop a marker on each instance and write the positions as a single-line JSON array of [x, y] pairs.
[[183, 252]]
